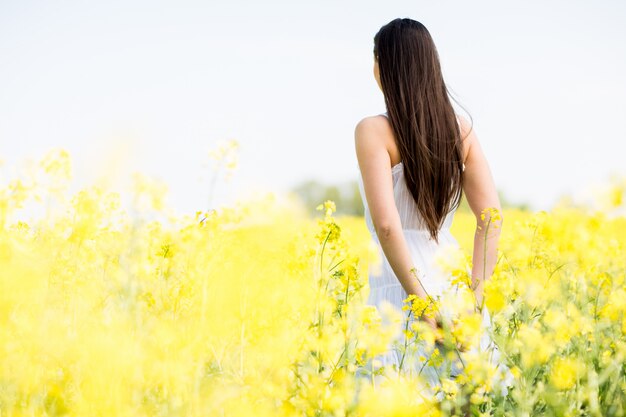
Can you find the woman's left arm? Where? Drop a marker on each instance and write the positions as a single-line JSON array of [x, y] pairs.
[[375, 166]]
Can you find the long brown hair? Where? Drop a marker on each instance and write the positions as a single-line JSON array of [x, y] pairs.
[[422, 118]]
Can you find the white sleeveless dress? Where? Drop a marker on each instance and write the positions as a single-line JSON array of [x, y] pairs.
[[384, 285]]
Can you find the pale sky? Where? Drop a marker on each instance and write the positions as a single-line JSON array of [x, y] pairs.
[[544, 82]]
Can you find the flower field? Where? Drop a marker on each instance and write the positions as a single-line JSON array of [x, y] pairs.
[[257, 310]]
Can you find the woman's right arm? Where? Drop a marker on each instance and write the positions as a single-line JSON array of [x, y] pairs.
[[481, 194]]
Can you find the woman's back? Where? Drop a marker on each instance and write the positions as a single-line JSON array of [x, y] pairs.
[[407, 208], [418, 146], [384, 286]]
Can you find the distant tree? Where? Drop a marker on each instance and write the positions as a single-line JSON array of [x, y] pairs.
[[504, 202], [347, 198]]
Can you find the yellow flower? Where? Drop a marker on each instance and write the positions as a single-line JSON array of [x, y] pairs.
[[516, 372], [564, 373], [495, 299], [329, 207], [534, 346], [449, 387], [57, 163], [467, 329]]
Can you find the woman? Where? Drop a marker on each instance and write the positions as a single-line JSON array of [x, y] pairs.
[[415, 161]]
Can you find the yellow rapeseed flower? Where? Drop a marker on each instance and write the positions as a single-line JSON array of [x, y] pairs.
[[564, 372]]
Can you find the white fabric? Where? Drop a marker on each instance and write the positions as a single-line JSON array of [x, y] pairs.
[[385, 286]]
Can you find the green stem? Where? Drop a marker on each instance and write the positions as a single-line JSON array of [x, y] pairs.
[[406, 328]]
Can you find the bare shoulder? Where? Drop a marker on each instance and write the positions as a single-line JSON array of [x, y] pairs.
[[376, 122], [372, 129], [371, 137]]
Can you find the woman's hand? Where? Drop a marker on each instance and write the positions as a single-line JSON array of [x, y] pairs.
[[435, 324]]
